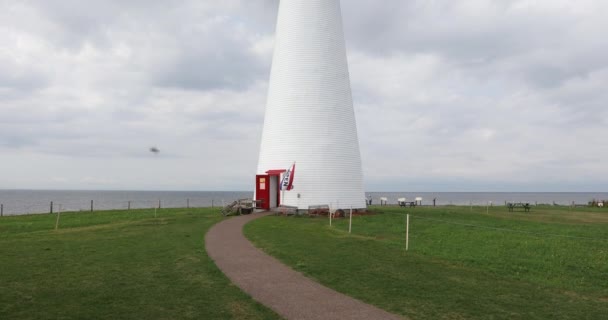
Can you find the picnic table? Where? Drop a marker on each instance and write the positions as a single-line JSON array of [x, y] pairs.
[[407, 203], [518, 205], [402, 202]]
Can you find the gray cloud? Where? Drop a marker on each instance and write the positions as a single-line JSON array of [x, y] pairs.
[[532, 41]]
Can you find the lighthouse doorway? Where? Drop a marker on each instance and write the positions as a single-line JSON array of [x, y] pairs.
[[267, 189]]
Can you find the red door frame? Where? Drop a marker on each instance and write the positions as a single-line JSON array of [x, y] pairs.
[[277, 173], [262, 187]]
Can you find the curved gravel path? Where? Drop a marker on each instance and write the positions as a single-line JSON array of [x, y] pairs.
[[275, 285]]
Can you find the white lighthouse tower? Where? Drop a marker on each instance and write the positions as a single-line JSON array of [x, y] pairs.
[[310, 120]]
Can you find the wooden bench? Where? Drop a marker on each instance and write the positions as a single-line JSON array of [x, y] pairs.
[[241, 206], [245, 206], [519, 205]]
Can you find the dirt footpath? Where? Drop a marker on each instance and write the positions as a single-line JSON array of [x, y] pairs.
[[275, 285]]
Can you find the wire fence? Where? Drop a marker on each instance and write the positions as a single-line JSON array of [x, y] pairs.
[[80, 205], [482, 203], [492, 199], [44, 202]]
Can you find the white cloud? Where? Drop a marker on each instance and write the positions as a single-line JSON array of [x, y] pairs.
[[450, 95]]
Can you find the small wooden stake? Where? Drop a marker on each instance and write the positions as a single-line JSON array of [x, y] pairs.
[[91, 205], [58, 215], [1, 210], [407, 233], [129, 205], [51, 210], [350, 222]]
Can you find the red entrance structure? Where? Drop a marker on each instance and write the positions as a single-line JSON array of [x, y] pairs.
[[267, 191]]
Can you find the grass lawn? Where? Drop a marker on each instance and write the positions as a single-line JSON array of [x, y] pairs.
[[116, 265], [551, 263]]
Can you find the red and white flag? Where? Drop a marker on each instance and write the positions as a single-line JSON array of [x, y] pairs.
[[287, 183]]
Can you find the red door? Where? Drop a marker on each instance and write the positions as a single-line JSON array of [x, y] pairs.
[[262, 191]]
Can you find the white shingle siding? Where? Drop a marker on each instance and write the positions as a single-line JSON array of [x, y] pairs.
[[309, 113]]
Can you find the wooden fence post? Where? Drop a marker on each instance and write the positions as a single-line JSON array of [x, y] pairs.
[[91, 205], [51, 212]]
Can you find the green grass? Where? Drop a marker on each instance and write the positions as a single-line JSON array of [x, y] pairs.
[[551, 263], [116, 265]]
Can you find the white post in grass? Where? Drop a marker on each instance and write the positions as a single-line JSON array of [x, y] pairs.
[[407, 232], [350, 222], [282, 200], [58, 215], [329, 217]]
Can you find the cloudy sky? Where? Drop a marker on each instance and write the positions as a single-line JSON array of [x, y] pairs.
[[471, 95]]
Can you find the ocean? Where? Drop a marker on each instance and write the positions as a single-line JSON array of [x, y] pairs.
[[16, 202]]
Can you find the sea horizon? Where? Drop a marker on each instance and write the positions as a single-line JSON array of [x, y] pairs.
[[373, 191], [26, 201]]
